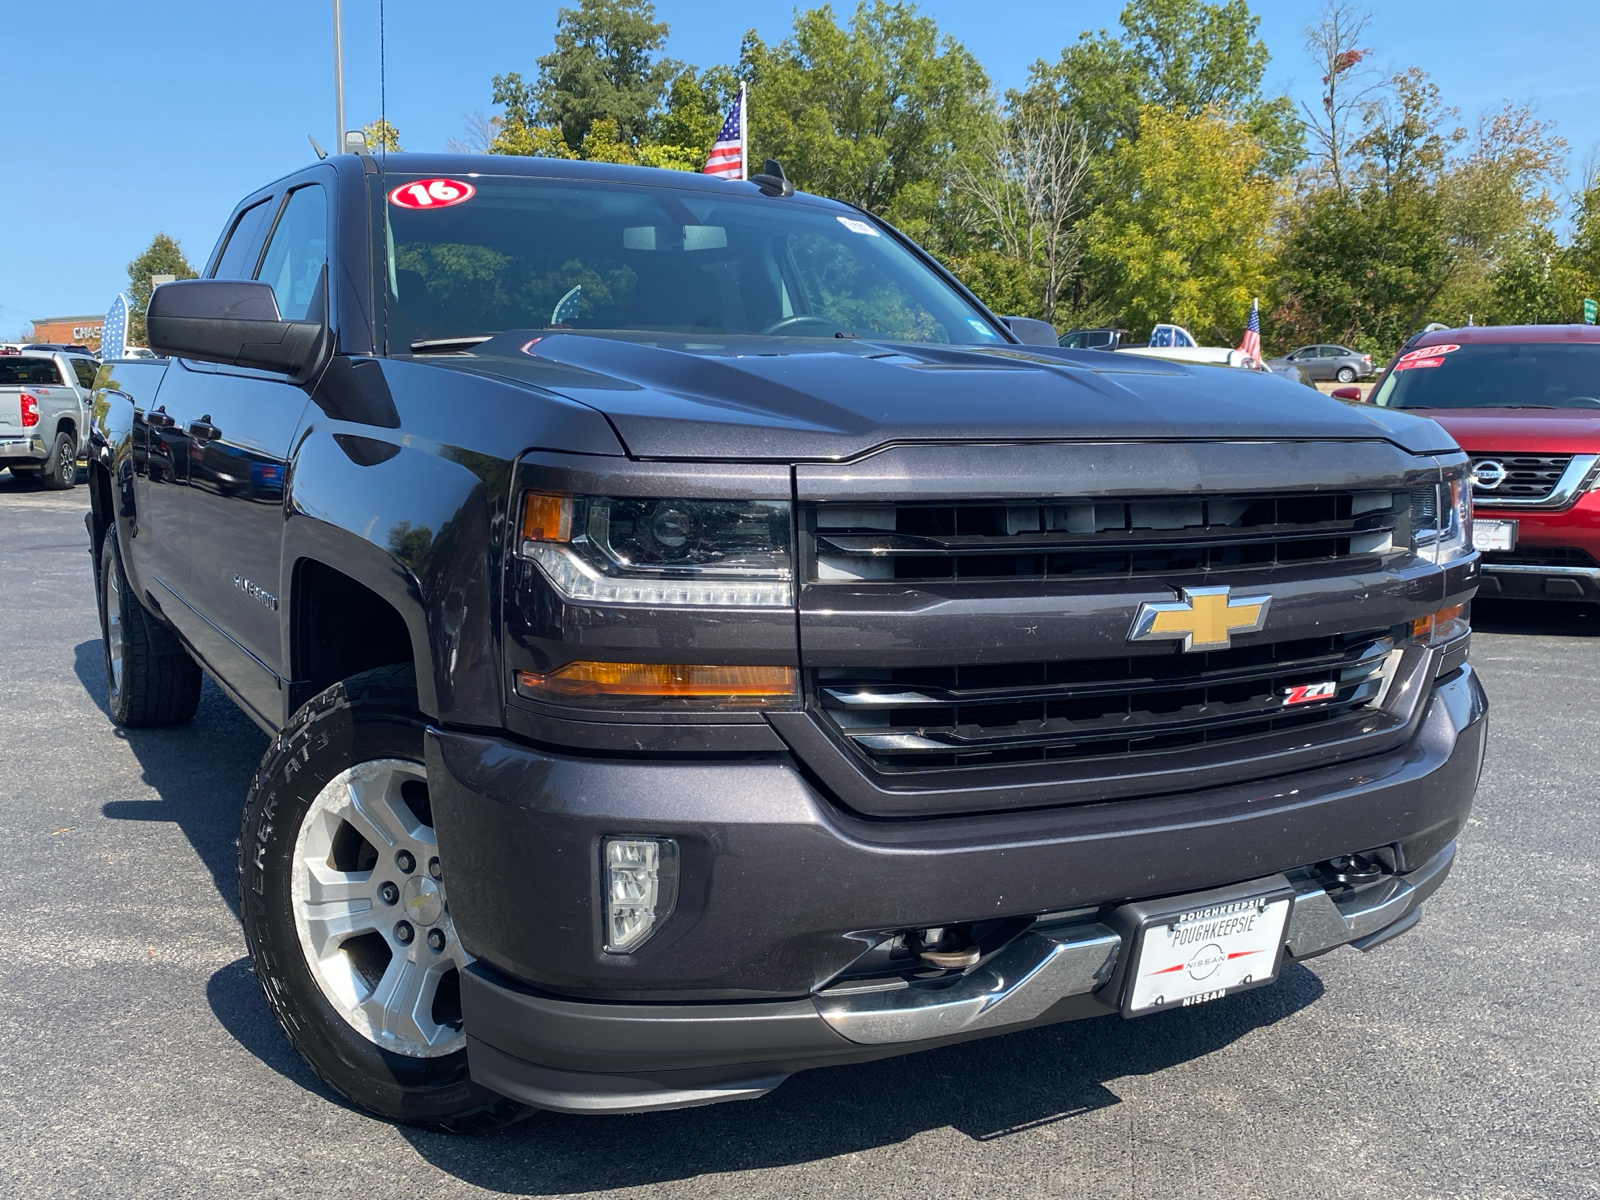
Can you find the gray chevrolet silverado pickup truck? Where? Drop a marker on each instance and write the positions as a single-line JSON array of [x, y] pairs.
[[701, 642]]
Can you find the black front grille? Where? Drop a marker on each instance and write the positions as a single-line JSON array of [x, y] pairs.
[[1115, 538], [1528, 476], [918, 718]]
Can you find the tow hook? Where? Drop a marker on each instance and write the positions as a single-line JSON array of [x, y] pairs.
[[946, 947], [1353, 870]]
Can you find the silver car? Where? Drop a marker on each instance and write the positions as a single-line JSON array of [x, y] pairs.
[[1329, 362]]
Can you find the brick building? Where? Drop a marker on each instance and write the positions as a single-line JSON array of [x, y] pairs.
[[82, 331]]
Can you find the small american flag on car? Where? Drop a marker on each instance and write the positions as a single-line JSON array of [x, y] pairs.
[[728, 151], [1250, 347]]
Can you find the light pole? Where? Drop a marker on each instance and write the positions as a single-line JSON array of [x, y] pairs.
[[338, 80]]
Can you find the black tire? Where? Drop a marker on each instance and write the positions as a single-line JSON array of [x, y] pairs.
[[1346, 375], [28, 475], [365, 718], [150, 678], [60, 469]]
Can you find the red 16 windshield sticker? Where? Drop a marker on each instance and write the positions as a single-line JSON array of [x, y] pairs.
[[431, 193]]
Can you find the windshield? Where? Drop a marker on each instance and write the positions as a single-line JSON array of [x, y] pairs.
[[532, 253], [1521, 375]]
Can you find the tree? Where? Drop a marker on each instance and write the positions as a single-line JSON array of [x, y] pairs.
[[1356, 266], [1184, 56], [1334, 46], [604, 67], [163, 256], [1183, 231], [876, 114], [381, 133], [1027, 187], [1404, 141]]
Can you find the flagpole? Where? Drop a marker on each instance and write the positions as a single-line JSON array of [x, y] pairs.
[[744, 135]]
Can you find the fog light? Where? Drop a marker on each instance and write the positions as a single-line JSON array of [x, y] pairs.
[[641, 877]]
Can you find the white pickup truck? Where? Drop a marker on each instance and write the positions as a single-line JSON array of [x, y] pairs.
[[44, 414], [1174, 341]]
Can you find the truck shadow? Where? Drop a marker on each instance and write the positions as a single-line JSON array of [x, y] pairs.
[[199, 771], [1546, 618], [987, 1090]]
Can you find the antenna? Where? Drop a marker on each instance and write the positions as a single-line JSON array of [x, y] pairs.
[[315, 145], [338, 76]]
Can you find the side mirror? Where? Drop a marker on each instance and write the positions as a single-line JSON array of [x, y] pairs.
[[1030, 332], [232, 321], [1347, 393]]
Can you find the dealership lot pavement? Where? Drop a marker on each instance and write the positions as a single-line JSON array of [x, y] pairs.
[[138, 1059]]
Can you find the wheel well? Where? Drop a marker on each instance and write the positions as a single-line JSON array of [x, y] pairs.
[[67, 425], [341, 628], [100, 508]]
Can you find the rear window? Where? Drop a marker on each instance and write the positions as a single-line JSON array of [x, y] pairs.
[[1521, 375], [42, 372]]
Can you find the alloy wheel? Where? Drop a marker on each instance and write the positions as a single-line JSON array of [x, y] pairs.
[[369, 905], [114, 630]]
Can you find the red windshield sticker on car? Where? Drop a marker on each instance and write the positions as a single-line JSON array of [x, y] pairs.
[[1428, 352], [432, 193], [1419, 362]]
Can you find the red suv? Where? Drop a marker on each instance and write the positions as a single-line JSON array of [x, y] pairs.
[[1524, 402]]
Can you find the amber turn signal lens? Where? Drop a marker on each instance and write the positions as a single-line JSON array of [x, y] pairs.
[[1426, 628], [715, 685], [546, 518]]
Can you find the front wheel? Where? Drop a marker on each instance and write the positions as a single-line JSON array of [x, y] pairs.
[[150, 678], [1346, 375], [342, 897], [61, 467]]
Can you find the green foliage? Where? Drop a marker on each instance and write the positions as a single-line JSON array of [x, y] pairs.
[[867, 113], [604, 67], [1143, 175], [163, 256], [1181, 233], [1183, 56], [1358, 268]]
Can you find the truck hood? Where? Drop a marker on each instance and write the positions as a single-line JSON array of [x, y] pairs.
[[751, 397], [1523, 430]]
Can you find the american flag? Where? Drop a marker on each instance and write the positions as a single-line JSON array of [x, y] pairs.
[[727, 152], [114, 331], [1250, 347]]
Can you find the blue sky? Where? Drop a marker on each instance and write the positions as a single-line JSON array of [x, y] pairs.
[[121, 119]]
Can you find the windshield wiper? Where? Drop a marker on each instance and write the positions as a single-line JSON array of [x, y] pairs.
[[466, 342]]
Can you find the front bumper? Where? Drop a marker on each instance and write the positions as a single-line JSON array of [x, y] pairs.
[[1519, 577], [780, 891]]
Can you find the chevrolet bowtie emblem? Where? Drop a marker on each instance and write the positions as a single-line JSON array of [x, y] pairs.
[[1206, 618]]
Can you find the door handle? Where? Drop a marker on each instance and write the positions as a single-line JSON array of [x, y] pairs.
[[203, 430], [159, 420]]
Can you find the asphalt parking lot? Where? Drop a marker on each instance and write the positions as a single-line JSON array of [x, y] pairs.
[[137, 1057]]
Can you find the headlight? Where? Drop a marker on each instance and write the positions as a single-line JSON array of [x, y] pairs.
[[623, 550], [1441, 518]]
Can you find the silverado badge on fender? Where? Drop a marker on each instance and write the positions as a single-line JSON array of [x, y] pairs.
[[1206, 618]]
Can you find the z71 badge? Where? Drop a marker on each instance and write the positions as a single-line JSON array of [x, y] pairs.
[[1307, 693]]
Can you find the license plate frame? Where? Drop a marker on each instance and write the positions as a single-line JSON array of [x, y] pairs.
[[1494, 534], [1190, 950]]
